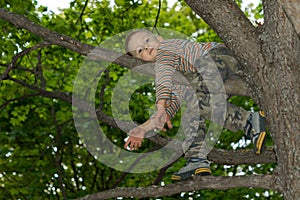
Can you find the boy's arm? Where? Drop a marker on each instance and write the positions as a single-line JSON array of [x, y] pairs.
[[148, 125]]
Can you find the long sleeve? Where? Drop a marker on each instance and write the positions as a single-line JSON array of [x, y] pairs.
[[174, 104], [163, 80], [164, 71]]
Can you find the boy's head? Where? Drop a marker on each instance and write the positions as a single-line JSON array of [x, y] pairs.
[[142, 44]]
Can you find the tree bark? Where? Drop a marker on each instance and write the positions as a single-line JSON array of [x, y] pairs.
[[292, 10], [281, 88]]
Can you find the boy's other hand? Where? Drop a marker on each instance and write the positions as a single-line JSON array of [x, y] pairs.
[[169, 123], [161, 117]]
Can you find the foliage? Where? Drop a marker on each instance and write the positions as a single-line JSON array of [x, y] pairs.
[[42, 156]]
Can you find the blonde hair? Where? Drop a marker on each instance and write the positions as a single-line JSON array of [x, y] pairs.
[[129, 37]]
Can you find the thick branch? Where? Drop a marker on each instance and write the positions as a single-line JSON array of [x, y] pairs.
[[197, 183], [48, 35], [230, 23], [100, 53], [66, 41], [241, 156]]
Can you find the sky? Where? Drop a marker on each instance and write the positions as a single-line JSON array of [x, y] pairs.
[[54, 5]]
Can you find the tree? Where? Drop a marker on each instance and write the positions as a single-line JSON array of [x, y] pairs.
[[39, 64]]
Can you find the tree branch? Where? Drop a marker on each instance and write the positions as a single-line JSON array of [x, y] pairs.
[[230, 23], [157, 16], [68, 42], [7, 102], [48, 35], [216, 156], [98, 53], [82, 12], [197, 183], [18, 55], [241, 156], [54, 95]]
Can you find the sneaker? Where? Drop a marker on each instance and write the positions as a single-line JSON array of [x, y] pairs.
[[195, 166], [255, 130]]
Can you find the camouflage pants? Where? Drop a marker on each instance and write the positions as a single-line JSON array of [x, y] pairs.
[[209, 95]]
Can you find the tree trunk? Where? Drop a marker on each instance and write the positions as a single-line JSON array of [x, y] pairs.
[[280, 81], [271, 56], [272, 66]]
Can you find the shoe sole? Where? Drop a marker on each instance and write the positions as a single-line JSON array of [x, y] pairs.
[[185, 176], [202, 171], [260, 143], [262, 113]]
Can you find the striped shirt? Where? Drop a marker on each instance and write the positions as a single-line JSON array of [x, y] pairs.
[[176, 55]]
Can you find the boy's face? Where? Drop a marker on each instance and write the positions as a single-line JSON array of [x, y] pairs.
[[144, 45]]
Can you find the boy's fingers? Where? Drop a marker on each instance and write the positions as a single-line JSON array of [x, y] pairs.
[[128, 143], [132, 147], [136, 146], [169, 124], [163, 130], [133, 143]]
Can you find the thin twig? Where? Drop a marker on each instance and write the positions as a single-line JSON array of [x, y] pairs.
[[18, 55], [56, 94], [7, 102], [82, 12], [39, 71], [157, 16]]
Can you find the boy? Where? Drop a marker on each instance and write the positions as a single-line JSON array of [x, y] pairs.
[[192, 59]]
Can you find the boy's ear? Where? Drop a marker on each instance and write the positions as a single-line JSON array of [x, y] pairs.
[[159, 38]]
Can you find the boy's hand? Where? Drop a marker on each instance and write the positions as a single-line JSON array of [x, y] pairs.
[[161, 118], [169, 123], [136, 137]]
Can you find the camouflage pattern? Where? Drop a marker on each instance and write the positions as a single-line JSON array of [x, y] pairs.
[[211, 97]]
